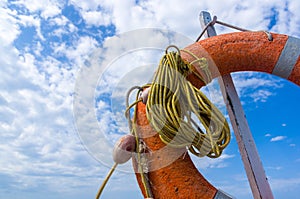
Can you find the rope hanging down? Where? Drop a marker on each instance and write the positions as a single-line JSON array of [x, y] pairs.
[[140, 159], [173, 105]]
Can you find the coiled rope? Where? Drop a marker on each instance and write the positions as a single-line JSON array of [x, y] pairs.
[[172, 107], [174, 103]]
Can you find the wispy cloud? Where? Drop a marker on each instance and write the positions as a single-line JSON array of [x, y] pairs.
[[286, 184], [206, 163], [274, 168], [255, 86], [278, 138]]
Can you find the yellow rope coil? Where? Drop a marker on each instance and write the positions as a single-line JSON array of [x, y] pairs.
[[174, 104]]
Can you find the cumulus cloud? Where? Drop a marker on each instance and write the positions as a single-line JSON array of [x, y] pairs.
[[79, 51], [96, 18], [38, 138], [8, 24], [38, 141], [47, 8]]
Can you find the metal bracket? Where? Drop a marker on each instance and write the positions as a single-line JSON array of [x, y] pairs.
[[253, 166]]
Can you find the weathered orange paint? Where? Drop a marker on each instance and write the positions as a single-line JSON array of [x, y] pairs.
[[295, 76], [180, 179], [243, 51]]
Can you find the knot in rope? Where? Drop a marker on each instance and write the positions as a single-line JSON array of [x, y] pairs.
[[174, 105]]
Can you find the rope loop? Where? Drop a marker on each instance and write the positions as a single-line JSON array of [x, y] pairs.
[[172, 46]]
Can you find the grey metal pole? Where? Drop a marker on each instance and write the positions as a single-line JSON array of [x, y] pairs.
[[252, 163]]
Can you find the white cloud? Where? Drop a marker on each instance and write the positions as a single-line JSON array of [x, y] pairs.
[[261, 95], [278, 138], [268, 135], [274, 168], [38, 141], [94, 13], [236, 185], [59, 20], [87, 5], [8, 24], [251, 80], [255, 85], [183, 16], [79, 51], [96, 18], [206, 163], [48, 8], [286, 184]]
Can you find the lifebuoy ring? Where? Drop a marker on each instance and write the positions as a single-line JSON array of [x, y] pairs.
[[244, 51]]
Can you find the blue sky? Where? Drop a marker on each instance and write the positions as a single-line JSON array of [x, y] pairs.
[[50, 142]]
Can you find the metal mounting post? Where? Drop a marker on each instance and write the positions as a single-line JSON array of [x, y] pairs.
[[252, 163]]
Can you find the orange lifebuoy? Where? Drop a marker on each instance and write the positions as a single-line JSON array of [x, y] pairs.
[[249, 51], [244, 51]]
